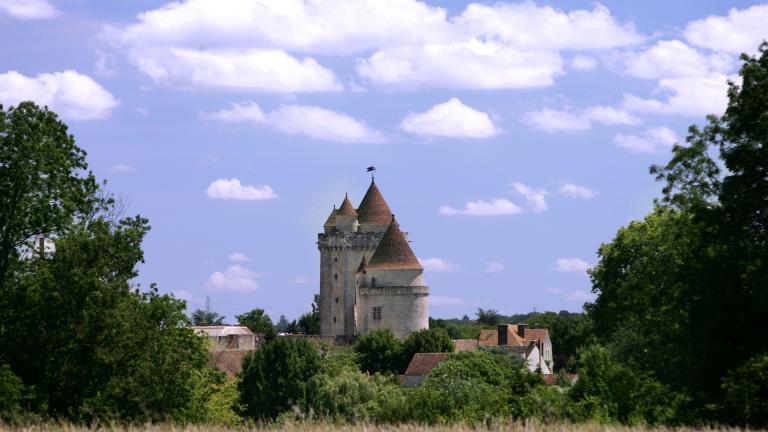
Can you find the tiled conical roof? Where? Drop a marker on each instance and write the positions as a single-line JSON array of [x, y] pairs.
[[346, 208], [393, 251], [373, 209], [331, 221]]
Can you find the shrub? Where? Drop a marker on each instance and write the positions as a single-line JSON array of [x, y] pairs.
[[379, 351], [746, 393]]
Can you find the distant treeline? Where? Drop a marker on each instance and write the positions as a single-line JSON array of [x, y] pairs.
[[676, 334]]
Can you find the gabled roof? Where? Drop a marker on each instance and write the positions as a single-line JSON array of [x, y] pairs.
[[491, 337], [346, 208], [536, 334], [373, 209], [423, 363], [393, 251]]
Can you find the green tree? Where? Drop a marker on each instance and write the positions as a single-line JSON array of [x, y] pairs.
[[282, 324], [274, 378], [379, 351], [425, 341], [44, 182], [309, 323], [258, 322], [489, 317], [206, 317], [746, 393]]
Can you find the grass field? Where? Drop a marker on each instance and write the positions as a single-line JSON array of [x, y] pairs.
[[317, 427]]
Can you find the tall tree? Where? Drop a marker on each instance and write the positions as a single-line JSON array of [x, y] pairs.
[[258, 322]]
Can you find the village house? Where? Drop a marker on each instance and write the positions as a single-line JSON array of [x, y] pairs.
[[533, 345], [229, 345]]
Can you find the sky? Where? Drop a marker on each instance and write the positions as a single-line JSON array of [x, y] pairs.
[[511, 139]]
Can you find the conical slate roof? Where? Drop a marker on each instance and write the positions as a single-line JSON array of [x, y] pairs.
[[363, 265], [373, 209], [346, 208], [394, 252]]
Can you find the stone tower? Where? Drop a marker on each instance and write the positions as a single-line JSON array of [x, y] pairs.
[[369, 276]]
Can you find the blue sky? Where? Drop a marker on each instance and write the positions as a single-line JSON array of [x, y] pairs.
[[511, 139]]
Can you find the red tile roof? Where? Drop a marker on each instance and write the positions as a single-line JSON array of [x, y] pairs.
[[373, 209], [346, 208], [535, 334], [393, 251], [423, 363], [460, 345]]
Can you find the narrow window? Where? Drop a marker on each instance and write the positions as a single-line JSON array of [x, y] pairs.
[[337, 300], [336, 276], [336, 259], [377, 312], [334, 319]]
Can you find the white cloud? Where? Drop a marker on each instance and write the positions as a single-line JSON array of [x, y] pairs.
[[551, 120], [238, 257], [251, 44], [583, 63], [495, 207], [233, 189], [435, 264], [579, 295], [121, 167], [72, 95], [450, 119], [312, 121], [322, 124], [235, 278], [740, 31], [551, 290], [467, 65], [29, 9], [575, 191], [674, 59], [651, 141], [534, 197], [494, 267], [691, 96], [571, 265]]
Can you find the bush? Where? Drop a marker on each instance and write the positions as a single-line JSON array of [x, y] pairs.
[[379, 351], [746, 393], [274, 378]]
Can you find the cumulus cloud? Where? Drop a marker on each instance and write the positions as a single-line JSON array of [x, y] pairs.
[[551, 120], [435, 264], [536, 198], [72, 95], [571, 265], [740, 31], [29, 9], [232, 189], [583, 63], [235, 278], [312, 121], [238, 257], [673, 59], [451, 119], [651, 141], [575, 191], [495, 207], [252, 44], [494, 267], [691, 96]]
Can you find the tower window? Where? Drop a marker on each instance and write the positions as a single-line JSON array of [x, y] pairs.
[[334, 319], [337, 300], [336, 259], [377, 312], [336, 276]]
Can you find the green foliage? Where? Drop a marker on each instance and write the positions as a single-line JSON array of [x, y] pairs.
[[746, 393], [473, 386], [608, 392], [274, 378], [546, 403], [309, 323], [44, 183], [351, 396], [568, 332], [216, 400], [258, 322], [379, 351], [457, 329], [489, 317], [202, 317], [425, 341], [11, 394]]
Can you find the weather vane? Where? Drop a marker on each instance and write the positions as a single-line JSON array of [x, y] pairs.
[[371, 169]]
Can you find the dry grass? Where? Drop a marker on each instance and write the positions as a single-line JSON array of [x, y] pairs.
[[317, 427]]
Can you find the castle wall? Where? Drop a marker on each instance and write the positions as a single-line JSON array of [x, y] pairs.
[[404, 309]]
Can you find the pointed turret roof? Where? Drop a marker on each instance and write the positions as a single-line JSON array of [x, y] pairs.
[[363, 265], [346, 208], [393, 251], [331, 221], [373, 209]]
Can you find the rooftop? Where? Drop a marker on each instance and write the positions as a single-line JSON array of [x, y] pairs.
[[346, 208], [394, 252], [373, 209], [423, 363]]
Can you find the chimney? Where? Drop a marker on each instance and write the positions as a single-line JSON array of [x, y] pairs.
[[521, 330], [41, 247], [502, 334]]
